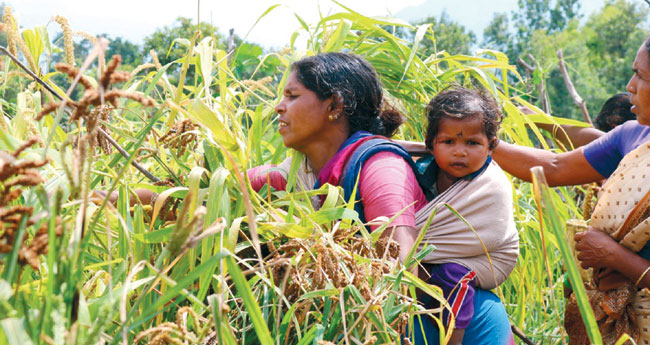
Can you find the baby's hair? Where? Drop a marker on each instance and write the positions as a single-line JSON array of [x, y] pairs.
[[461, 103]]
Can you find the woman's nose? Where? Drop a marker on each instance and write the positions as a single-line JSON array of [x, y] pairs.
[[630, 85], [280, 108]]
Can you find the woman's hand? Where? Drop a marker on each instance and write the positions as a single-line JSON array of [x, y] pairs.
[[597, 249]]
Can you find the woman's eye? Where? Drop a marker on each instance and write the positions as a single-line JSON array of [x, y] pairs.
[[636, 73], [471, 142]]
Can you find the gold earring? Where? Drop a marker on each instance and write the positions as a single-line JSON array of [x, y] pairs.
[[333, 117]]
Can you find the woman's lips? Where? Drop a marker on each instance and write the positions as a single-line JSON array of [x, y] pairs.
[[282, 126]]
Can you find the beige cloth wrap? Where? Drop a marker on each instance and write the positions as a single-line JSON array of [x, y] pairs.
[[486, 203], [623, 212]]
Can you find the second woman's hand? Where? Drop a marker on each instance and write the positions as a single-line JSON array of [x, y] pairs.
[[597, 249]]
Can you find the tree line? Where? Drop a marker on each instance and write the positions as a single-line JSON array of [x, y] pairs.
[[598, 50]]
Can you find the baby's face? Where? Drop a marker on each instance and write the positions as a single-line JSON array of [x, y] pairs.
[[461, 146]]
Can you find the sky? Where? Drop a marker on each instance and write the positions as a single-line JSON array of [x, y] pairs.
[[135, 19]]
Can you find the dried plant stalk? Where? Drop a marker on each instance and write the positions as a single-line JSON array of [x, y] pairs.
[[14, 174], [141, 68], [155, 59], [14, 39], [325, 267], [67, 39], [177, 333], [91, 107], [10, 28]]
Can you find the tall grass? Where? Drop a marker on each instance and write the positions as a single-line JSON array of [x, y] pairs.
[[210, 260]]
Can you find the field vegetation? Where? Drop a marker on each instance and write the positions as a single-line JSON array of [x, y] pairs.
[[209, 261]]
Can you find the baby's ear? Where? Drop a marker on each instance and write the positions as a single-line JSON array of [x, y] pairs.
[[493, 144]]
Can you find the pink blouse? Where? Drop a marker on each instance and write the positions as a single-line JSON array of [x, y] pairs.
[[387, 186]]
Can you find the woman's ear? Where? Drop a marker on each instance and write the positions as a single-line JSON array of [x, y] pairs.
[[336, 104]]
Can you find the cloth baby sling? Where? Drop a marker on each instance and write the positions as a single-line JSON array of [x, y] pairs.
[[490, 246], [622, 211]]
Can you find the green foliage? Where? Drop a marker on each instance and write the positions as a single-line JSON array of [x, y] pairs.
[[446, 35], [598, 54], [497, 34], [171, 42], [612, 37], [130, 52]]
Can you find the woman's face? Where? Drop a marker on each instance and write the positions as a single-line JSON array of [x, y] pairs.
[[639, 86], [303, 117]]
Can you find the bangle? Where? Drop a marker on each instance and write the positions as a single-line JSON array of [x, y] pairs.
[[641, 277]]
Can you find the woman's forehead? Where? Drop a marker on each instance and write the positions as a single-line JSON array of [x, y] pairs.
[[642, 60], [293, 82]]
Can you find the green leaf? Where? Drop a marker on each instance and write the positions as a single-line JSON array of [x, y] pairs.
[[319, 293], [221, 133], [254, 311], [15, 332], [45, 38], [34, 43], [548, 214], [205, 50]]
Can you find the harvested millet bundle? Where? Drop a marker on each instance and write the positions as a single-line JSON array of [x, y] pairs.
[[181, 136], [321, 263]]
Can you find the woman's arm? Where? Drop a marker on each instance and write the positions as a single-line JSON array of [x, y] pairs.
[[560, 169], [597, 249], [144, 196], [413, 147], [567, 134], [388, 187]]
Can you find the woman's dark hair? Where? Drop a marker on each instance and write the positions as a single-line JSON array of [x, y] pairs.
[[646, 44], [353, 82], [461, 103], [615, 111]]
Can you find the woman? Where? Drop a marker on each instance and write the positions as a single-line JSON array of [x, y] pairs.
[[333, 103], [594, 162], [332, 107]]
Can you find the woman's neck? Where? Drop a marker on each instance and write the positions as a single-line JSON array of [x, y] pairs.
[[319, 153]]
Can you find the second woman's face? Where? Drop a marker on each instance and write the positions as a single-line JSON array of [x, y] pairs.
[[303, 116], [639, 86]]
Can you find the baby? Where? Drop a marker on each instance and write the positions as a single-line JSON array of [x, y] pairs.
[[461, 135]]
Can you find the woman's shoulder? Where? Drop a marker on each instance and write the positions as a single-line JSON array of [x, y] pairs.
[[386, 160]]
